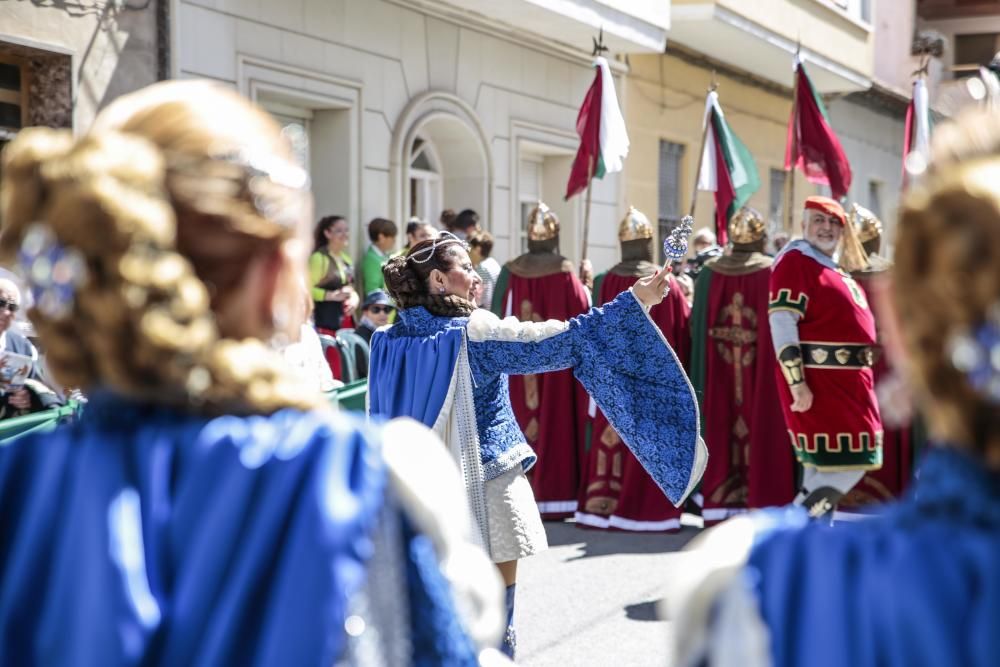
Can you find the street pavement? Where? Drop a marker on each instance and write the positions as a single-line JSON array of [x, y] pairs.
[[591, 599]]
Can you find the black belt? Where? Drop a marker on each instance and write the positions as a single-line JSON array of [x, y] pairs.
[[837, 355]]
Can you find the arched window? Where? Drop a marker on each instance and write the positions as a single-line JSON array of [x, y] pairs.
[[425, 181]]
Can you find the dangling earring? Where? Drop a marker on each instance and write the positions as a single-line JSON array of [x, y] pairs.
[[440, 290]]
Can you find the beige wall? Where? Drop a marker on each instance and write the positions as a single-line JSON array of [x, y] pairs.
[[668, 103], [824, 29], [113, 50], [894, 25]]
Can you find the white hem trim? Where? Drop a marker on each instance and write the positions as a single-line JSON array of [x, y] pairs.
[[622, 523], [557, 506], [721, 513]]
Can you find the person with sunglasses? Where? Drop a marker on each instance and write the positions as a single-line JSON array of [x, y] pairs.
[[36, 392], [376, 311]]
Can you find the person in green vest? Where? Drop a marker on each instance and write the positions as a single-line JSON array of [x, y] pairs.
[[331, 274], [382, 234]]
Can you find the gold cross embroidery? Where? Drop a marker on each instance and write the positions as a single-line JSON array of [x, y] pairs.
[[730, 332]]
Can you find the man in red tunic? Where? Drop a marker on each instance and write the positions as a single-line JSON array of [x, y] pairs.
[[732, 369], [888, 482], [824, 337], [617, 493], [551, 408]]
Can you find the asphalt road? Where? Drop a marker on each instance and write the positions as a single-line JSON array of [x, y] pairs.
[[591, 598]]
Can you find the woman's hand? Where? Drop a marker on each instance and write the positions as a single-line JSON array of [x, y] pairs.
[[351, 300], [652, 289]]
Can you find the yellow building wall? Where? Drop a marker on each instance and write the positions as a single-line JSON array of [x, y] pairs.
[[665, 100], [824, 29]]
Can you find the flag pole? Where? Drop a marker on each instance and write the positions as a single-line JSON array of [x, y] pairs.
[[586, 213], [701, 152], [790, 180]]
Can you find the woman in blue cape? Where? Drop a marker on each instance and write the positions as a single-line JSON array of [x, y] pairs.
[[446, 364], [206, 510], [918, 584]]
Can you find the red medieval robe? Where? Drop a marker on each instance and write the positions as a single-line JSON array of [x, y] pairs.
[[888, 482], [551, 408], [842, 430], [617, 493], [732, 369]]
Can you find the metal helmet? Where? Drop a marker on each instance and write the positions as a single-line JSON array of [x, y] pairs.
[[634, 226], [543, 223], [746, 226], [867, 224]]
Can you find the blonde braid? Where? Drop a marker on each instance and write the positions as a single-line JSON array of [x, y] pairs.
[[142, 322]]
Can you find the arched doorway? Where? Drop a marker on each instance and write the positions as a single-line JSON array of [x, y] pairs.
[[440, 159]]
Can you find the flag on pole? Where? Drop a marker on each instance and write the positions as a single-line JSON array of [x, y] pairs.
[[603, 138], [727, 167], [812, 145], [917, 139]]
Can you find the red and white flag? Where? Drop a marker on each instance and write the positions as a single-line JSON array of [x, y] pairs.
[[603, 138], [917, 139]]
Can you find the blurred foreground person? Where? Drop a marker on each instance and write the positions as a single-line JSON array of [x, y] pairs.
[[205, 510], [918, 584], [447, 363]]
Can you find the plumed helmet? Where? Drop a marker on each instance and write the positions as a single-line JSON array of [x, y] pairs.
[[543, 224], [746, 226], [634, 226], [867, 223]]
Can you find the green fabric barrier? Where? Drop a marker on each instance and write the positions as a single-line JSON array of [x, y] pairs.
[[351, 397], [36, 422]]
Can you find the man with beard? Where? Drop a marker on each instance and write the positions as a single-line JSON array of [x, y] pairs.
[[732, 370], [551, 408], [824, 334]]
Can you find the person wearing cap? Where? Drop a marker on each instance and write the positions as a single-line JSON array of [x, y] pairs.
[[551, 408], [824, 336], [732, 370], [617, 493], [376, 311]]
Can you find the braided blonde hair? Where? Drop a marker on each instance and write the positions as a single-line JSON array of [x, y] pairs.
[[167, 223], [947, 274]]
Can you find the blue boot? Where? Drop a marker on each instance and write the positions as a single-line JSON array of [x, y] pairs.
[[509, 638]]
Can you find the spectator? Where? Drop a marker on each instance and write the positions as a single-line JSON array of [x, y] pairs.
[[417, 230], [376, 312], [382, 234], [465, 223], [447, 220], [779, 241], [480, 247], [28, 392], [705, 247], [331, 274]]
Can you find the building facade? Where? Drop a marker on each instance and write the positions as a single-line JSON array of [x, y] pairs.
[[402, 109]]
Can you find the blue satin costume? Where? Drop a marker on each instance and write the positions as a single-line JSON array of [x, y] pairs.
[[919, 585], [147, 536], [615, 351]]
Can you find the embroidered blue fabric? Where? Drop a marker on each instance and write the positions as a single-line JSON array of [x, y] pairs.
[[147, 536], [615, 351], [410, 372], [918, 585]]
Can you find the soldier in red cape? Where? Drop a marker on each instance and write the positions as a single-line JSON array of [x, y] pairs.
[[732, 370], [824, 338], [888, 482], [617, 493], [551, 408]]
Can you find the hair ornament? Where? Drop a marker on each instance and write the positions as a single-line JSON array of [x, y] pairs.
[[424, 255], [976, 354], [51, 271]]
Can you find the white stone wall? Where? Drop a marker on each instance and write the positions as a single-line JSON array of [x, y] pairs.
[[873, 142], [381, 72]]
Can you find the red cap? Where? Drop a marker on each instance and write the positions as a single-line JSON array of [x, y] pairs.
[[828, 206]]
